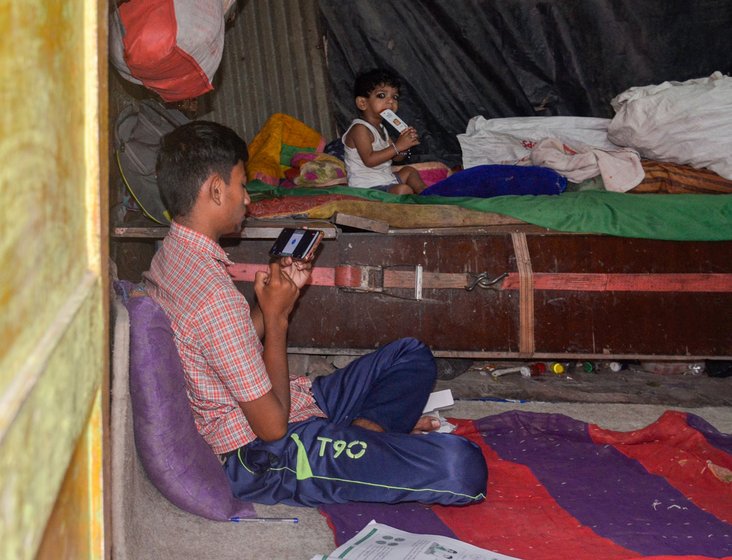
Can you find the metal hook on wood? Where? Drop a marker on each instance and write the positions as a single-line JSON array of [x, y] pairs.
[[482, 280]]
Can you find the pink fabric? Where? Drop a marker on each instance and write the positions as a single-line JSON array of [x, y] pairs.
[[431, 172], [621, 169]]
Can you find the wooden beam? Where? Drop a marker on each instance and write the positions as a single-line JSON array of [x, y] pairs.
[[358, 222]]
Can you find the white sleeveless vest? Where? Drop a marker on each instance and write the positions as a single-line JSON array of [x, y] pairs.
[[358, 174]]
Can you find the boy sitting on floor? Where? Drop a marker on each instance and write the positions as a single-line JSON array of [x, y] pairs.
[[340, 438]]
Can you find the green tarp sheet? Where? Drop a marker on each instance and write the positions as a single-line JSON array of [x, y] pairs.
[[677, 217]]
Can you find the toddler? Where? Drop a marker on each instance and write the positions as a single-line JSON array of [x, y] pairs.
[[368, 149]]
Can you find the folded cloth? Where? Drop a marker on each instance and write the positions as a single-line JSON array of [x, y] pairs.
[[621, 169], [485, 181]]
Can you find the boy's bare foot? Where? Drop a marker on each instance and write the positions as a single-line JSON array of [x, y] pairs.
[[426, 423], [367, 424]]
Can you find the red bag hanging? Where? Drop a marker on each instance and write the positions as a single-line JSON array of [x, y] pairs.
[[172, 47]]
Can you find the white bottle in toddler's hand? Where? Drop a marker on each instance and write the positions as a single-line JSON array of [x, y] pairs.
[[391, 117]]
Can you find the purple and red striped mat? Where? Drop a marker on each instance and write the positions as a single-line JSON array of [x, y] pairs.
[[559, 488]]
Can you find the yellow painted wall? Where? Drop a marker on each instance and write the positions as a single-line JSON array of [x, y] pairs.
[[76, 528], [53, 314]]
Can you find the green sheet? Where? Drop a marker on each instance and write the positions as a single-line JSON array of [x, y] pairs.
[[677, 217]]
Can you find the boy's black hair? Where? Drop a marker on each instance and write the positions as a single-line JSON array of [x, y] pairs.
[[189, 155], [367, 82]]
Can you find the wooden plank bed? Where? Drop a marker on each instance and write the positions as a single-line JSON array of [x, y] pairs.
[[479, 284]]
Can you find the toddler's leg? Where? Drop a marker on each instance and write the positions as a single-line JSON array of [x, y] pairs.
[[401, 189], [411, 177]]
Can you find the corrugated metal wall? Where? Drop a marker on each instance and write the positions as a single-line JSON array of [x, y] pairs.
[[273, 62]]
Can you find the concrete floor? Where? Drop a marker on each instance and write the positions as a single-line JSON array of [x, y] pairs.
[[625, 400], [665, 383], [639, 384]]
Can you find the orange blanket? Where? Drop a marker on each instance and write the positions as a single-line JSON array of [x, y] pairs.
[[274, 145]]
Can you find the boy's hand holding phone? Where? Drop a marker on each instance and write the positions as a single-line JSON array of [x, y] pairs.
[[276, 293], [298, 271], [296, 248], [299, 244]]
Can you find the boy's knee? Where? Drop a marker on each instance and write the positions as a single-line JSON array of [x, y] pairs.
[[411, 343], [419, 351], [466, 465]]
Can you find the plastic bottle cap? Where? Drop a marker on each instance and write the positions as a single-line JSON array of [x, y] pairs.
[[557, 368], [537, 368]]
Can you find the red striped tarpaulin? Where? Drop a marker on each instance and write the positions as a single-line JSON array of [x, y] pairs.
[[560, 488]]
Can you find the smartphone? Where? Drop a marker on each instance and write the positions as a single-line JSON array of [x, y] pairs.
[[300, 244]]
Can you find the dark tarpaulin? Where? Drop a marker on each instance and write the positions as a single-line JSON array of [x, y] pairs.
[[503, 58]]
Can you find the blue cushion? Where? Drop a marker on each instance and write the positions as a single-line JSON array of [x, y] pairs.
[[485, 181]]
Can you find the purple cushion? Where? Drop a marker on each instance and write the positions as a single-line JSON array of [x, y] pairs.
[[174, 455]]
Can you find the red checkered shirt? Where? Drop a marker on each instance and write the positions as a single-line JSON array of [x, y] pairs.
[[218, 345]]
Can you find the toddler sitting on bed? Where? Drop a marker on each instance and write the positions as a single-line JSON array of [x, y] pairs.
[[368, 149]]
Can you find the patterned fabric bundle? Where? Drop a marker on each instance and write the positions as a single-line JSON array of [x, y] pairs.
[[315, 169]]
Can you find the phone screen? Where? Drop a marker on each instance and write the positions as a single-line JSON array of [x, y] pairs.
[[292, 243], [296, 243]]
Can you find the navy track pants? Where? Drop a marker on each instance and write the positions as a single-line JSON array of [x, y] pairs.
[[327, 460]]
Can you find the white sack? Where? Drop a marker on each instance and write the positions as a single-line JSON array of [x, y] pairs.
[[688, 123], [510, 140]]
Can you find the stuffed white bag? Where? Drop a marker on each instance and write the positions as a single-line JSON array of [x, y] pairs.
[[689, 122]]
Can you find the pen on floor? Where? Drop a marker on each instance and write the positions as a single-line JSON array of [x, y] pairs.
[[264, 519]]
